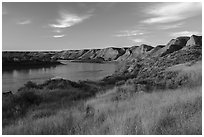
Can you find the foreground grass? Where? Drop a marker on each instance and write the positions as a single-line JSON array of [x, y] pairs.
[[122, 110], [50, 96], [170, 112], [160, 112]]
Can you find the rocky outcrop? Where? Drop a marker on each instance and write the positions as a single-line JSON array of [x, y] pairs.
[[155, 51], [90, 54], [194, 40], [124, 56], [139, 52], [145, 48], [135, 52], [174, 45], [70, 54], [121, 51], [108, 54]]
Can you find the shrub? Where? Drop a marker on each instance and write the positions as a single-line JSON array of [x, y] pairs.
[[28, 98], [130, 81], [30, 85], [17, 105], [119, 83]]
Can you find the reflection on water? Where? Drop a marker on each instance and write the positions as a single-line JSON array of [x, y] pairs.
[[14, 79]]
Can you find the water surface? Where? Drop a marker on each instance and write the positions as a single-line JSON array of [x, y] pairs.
[[14, 79]]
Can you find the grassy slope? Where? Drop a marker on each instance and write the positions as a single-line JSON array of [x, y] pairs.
[[123, 110]]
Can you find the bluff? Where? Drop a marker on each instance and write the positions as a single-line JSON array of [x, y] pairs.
[[194, 40], [179, 49], [105, 54]]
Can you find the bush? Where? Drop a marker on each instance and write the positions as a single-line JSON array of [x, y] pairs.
[[16, 106], [31, 84], [27, 98], [119, 83]]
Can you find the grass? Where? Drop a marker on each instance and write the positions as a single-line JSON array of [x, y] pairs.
[[144, 113], [51, 95], [162, 112], [122, 110]]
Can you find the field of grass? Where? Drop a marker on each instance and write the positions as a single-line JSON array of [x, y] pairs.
[[52, 95], [161, 112], [123, 109]]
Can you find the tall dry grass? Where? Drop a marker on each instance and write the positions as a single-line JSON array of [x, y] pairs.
[[123, 110], [162, 112]]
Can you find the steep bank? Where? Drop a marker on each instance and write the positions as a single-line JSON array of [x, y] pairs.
[[106, 54]]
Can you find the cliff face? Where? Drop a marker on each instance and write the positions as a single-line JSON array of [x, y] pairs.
[[194, 40], [90, 54], [155, 51], [108, 54], [140, 52], [174, 45], [111, 53], [179, 50], [124, 56]]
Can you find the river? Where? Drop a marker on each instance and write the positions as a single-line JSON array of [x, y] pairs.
[[13, 79]]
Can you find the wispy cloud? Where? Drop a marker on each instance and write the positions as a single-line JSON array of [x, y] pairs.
[[171, 12], [58, 36], [24, 22], [57, 30], [184, 33], [171, 26], [69, 19], [137, 40], [129, 33]]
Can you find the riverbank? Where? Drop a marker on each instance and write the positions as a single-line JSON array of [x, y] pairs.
[[88, 61], [31, 65], [20, 60]]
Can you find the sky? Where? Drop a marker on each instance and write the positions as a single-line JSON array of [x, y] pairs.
[[84, 25]]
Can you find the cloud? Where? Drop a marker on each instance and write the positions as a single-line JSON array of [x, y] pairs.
[[24, 22], [137, 40], [129, 33], [58, 36], [170, 26], [171, 12], [184, 33], [68, 19], [57, 30]]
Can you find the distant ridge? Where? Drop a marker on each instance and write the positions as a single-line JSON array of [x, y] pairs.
[[110, 53]]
